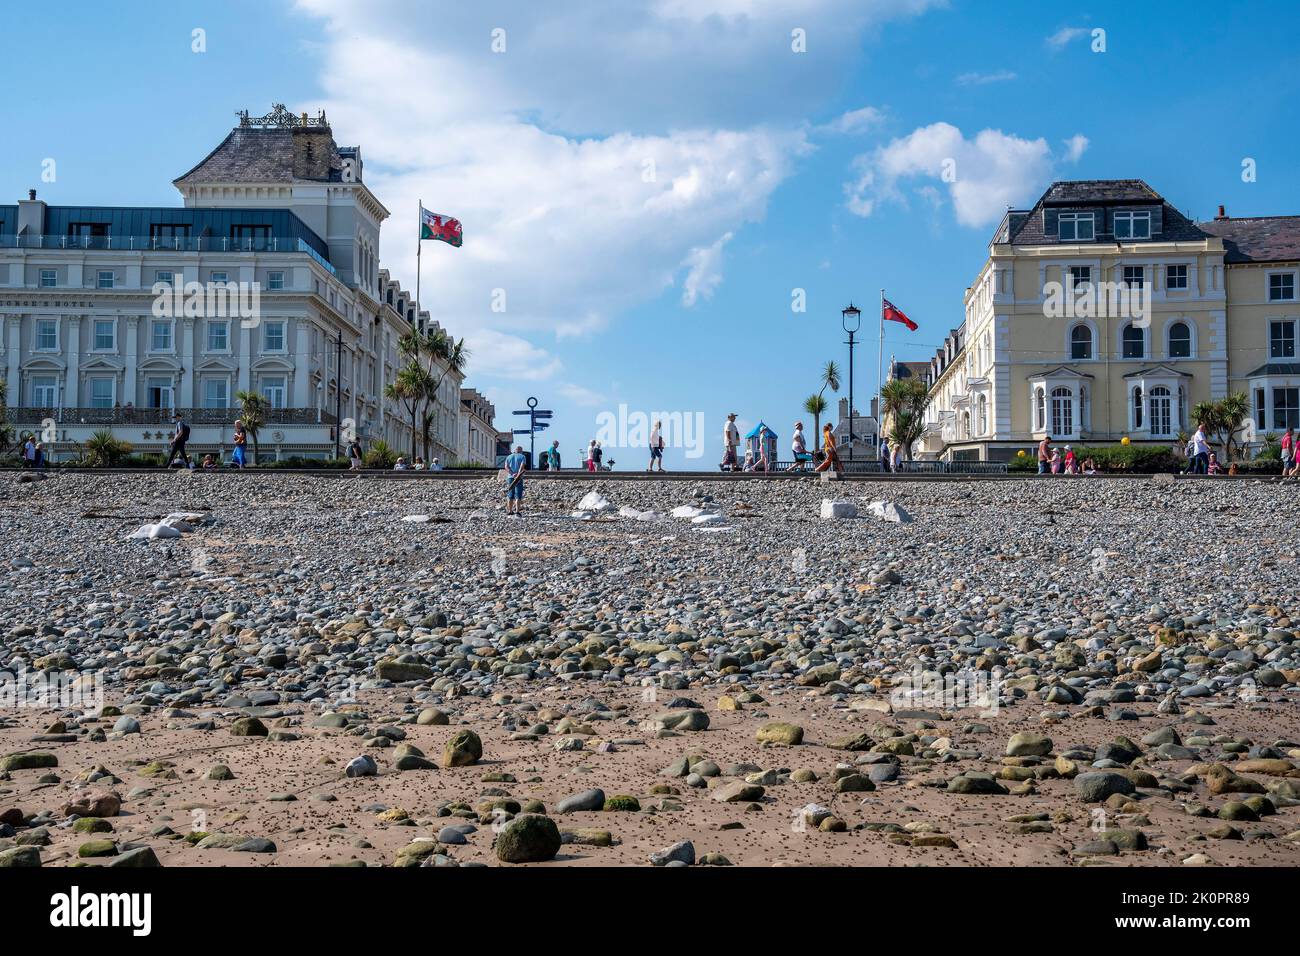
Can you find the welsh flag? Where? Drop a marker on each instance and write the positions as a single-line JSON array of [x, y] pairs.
[[437, 226], [892, 313]]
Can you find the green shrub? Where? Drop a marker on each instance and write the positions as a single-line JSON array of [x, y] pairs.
[[379, 455], [1138, 459]]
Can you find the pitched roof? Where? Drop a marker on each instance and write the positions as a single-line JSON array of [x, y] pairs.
[[1257, 238], [256, 155], [1275, 368], [1029, 230]]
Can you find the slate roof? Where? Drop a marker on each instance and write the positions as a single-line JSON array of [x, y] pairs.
[[1027, 228], [1275, 368], [1257, 239], [255, 155]]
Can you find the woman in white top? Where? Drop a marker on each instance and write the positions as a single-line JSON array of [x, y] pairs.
[[591, 455]]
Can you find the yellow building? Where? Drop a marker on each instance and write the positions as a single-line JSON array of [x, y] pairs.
[[1103, 312]]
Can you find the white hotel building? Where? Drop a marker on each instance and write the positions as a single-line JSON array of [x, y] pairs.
[[277, 204]]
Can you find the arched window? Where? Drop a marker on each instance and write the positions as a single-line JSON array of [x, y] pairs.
[[1137, 406], [1040, 410], [983, 419], [1180, 340], [1080, 343], [1134, 342], [1161, 411], [965, 424], [1062, 411]]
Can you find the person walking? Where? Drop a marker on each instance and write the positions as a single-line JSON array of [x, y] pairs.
[[832, 458], [730, 442], [354, 455], [237, 457], [1288, 450], [799, 448], [897, 463], [657, 447], [1200, 451], [180, 436], [599, 454], [591, 455], [554, 456], [884, 455], [515, 466], [29, 452], [1044, 454]]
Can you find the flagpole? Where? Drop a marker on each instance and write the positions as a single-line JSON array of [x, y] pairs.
[[880, 381], [419, 247]]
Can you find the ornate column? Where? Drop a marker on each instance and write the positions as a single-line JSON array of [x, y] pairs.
[[71, 396], [301, 366], [245, 357], [13, 331], [131, 387], [186, 397]]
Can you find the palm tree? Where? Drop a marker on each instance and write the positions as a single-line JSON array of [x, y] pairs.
[[1223, 419], [253, 410], [443, 355], [814, 405], [905, 401], [830, 379], [408, 387], [104, 451]]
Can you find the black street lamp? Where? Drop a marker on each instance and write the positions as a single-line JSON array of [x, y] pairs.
[[851, 319]]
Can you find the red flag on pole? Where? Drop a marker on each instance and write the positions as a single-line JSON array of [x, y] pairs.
[[891, 313]]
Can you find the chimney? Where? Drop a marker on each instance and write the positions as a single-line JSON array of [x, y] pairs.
[[1222, 214], [31, 194], [31, 215]]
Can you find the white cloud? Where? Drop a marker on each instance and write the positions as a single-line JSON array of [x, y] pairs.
[[1074, 147], [983, 79], [1062, 37], [580, 394], [854, 121], [705, 275], [499, 355], [984, 175]]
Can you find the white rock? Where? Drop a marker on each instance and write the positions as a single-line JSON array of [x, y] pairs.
[[594, 501], [416, 519], [888, 511], [832, 509], [686, 511], [151, 532], [707, 519]]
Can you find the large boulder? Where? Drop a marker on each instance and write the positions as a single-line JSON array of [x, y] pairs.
[[462, 750], [528, 838]]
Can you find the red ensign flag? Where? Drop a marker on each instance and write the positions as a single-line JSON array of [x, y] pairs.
[[891, 313]]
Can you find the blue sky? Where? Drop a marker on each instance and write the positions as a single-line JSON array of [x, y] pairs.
[[648, 182]]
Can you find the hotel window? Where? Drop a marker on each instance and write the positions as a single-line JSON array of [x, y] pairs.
[[49, 279], [1261, 414], [166, 278], [1176, 277], [1281, 339], [1180, 340], [218, 278], [104, 335], [273, 390], [1075, 226], [275, 280], [45, 391], [1286, 408], [161, 336], [101, 392], [1133, 342], [273, 337], [251, 237], [105, 280], [1080, 276], [1281, 287], [1137, 407], [1161, 411], [1135, 276], [47, 335], [1132, 225], [214, 393], [164, 235], [1080, 343], [218, 336], [1062, 411]]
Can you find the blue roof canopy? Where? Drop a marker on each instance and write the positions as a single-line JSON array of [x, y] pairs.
[[758, 428]]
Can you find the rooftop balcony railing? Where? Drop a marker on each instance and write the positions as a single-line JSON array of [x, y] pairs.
[[167, 244], [33, 417]]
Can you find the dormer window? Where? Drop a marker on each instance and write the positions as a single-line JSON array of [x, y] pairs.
[[1075, 226], [1132, 225]]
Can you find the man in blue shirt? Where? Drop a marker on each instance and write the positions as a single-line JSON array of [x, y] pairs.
[[515, 465]]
